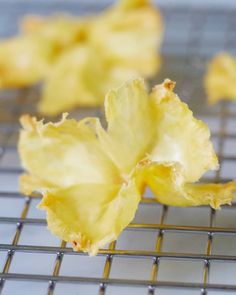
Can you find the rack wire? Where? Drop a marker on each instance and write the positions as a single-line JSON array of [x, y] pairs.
[[165, 249]]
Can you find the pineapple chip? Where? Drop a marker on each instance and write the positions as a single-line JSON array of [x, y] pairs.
[[129, 34], [122, 44], [220, 78], [92, 179], [27, 59], [80, 59]]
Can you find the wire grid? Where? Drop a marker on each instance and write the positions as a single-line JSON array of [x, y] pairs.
[[165, 249]]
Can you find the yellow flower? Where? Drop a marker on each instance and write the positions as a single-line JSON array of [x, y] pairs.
[[92, 179]]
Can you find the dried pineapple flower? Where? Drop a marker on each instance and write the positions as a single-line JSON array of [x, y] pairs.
[[220, 78], [122, 43], [80, 59], [129, 34], [92, 179]]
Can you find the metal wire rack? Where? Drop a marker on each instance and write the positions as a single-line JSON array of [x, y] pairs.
[[164, 250]]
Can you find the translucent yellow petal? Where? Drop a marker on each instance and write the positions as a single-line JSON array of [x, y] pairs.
[[220, 78], [129, 34], [169, 186], [63, 154], [90, 215], [76, 79], [131, 125], [179, 136], [24, 61]]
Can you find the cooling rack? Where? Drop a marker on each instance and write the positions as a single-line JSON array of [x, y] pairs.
[[165, 250]]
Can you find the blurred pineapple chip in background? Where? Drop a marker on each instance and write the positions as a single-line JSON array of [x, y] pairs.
[[92, 179], [76, 79], [220, 79], [61, 30], [80, 58], [129, 34], [122, 43], [24, 61]]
